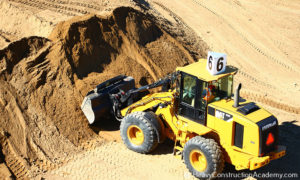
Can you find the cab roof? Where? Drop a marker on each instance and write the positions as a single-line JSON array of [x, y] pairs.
[[199, 70]]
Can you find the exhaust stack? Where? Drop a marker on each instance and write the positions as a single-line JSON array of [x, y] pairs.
[[237, 95]]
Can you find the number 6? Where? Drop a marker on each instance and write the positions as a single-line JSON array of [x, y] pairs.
[[210, 62], [220, 64]]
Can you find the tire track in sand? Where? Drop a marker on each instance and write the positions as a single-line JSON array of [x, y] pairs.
[[259, 50], [263, 99], [75, 3], [104, 162], [60, 6], [180, 21], [251, 96], [16, 164], [69, 11]]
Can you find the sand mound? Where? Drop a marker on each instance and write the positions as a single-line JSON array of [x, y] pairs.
[[43, 81]]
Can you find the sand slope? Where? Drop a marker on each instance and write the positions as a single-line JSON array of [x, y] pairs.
[[49, 61], [43, 81]]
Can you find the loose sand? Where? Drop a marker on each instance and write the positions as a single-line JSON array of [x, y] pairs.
[[55, 51]]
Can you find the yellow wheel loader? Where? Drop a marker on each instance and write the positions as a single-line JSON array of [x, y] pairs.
[[197, 110]]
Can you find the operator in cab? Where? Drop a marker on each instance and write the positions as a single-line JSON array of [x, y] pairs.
[[209, 93]]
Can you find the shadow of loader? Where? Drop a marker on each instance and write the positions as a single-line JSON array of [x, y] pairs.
[[108, 124]]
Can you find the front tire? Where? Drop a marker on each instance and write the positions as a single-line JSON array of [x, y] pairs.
[[203, 157], [137, 133]]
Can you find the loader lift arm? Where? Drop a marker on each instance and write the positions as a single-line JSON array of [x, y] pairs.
[[120, 98]]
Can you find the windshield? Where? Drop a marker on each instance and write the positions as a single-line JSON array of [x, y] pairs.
[[222, 88]]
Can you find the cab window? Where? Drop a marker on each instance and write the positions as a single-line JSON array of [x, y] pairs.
[[223, 87], [203, 92], [189, 89]]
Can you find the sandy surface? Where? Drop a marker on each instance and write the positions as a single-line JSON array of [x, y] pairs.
[[41, 137], [258, 42], [106, 162]]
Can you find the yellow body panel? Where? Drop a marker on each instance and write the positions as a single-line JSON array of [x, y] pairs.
[[198, 69], [255, 116], [246, 157], [257, 162], [225, 129], [149, 101], [191, 126]]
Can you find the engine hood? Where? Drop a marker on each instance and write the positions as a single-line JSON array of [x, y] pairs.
[[247, 110]]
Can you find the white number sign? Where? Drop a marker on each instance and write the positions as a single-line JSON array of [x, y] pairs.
[[216, 62]]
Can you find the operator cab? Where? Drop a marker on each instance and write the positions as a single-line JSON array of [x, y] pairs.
[[199, 88]]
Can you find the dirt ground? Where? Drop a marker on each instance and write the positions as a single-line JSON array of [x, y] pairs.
[[52, 52]]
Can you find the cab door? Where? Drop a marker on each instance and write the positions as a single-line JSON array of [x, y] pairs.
[[190, 104]]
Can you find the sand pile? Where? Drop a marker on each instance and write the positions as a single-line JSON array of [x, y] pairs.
[[43, 81]]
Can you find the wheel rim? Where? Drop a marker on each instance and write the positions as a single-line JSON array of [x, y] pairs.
[[135, 135], [198, 160]]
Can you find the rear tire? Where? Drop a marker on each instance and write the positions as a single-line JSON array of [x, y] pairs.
[[137, 133], [203, 157]]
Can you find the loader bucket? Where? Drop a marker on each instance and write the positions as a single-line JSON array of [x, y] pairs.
[[97, 104]]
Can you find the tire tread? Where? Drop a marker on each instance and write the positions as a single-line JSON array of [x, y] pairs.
[[151, 144], [213, 148]]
